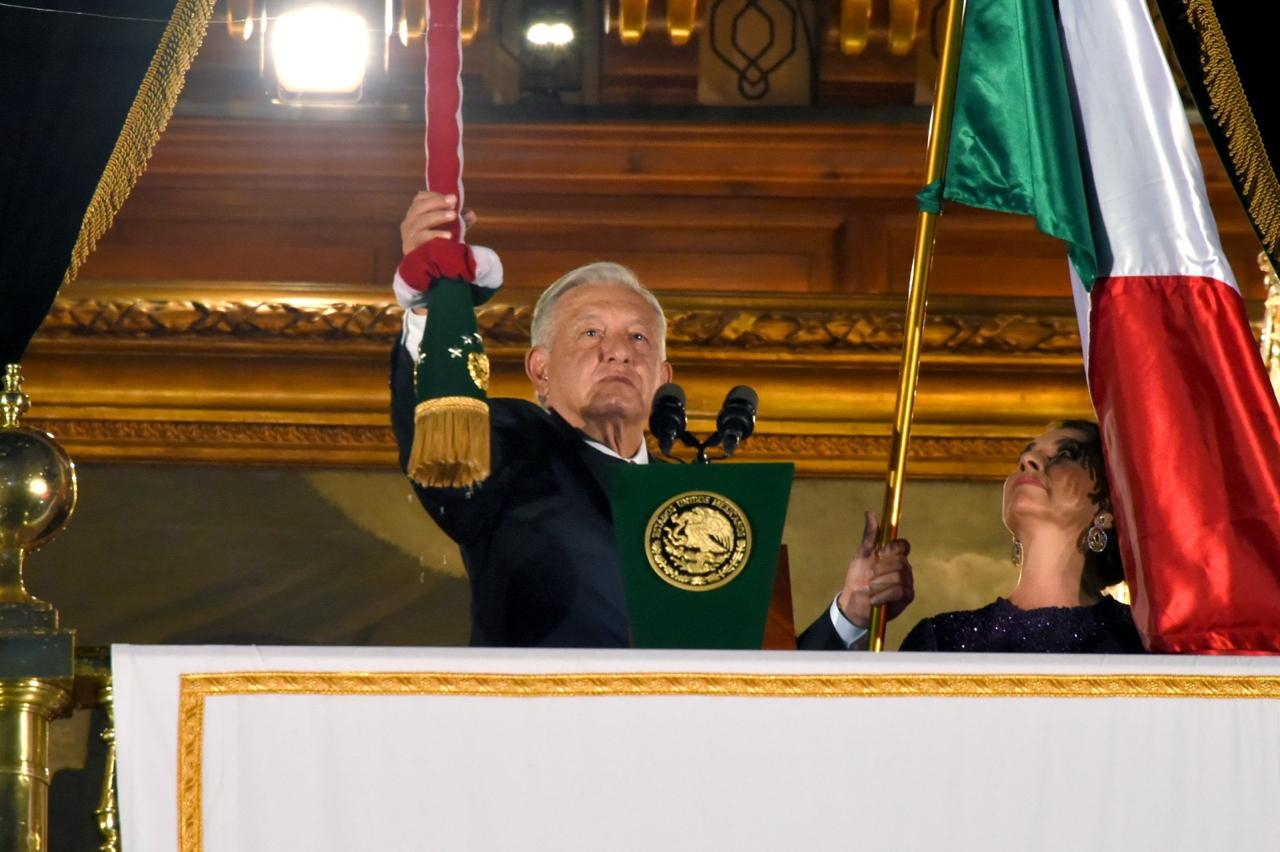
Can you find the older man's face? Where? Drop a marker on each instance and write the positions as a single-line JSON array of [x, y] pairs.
[[605, 360]]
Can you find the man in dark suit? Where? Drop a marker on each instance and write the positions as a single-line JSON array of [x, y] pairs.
[[537, 535]]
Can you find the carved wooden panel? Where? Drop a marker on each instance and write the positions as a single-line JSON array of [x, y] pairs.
[[752, 208]]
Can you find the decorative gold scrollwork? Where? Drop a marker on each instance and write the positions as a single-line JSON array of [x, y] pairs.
[[961, 329], [1271, 322], [632, 15], [904, 17], [108, 810], [855, 26], [682, 16]]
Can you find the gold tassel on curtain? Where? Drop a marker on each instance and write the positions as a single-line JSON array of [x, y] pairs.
[[147, 119]]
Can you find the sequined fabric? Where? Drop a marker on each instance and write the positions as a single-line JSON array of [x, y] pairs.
[[1104, 628]]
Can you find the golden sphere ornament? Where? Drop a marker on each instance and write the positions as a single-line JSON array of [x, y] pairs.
[[37, 487]]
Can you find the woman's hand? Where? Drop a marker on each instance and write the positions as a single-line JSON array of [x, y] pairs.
[[427, 212], [876, 578]]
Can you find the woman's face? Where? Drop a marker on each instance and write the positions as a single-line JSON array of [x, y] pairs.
[[1052, 485]]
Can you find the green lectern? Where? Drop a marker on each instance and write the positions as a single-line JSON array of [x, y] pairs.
[[699, 546]]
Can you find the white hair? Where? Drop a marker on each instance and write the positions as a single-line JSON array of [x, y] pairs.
[[601, 272]]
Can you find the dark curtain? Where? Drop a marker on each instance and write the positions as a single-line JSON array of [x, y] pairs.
[[68, 83], [1227, 52]]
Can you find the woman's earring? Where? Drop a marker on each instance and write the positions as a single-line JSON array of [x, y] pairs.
[[1017, 554], [1096, 538]]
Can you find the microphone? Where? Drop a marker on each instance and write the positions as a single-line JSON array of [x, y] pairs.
[[667, 417], [737, 418]]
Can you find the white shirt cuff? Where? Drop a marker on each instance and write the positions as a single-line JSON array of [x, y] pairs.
[[488, 275], [411, 334], [850, 634], [407, 297]]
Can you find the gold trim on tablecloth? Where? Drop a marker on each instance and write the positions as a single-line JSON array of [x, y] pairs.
[[195, 688]]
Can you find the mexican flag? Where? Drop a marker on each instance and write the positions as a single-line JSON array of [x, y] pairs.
[[1067, 112]]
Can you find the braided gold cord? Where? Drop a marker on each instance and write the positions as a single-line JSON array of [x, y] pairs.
[[147, 119], [1230, 109]]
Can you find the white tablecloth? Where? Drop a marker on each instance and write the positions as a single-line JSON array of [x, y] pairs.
[[461, 749]]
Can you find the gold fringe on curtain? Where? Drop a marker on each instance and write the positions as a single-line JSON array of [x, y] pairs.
[[147, 119], [1230, 109]]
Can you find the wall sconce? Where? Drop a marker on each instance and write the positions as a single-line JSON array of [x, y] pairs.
[[550, 29], [549, 35], [546, 51]]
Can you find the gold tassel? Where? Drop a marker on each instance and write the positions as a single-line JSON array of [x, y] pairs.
[[450, 442], [1231, 110], [147, 118]]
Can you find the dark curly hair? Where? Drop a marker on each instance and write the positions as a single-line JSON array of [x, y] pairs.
[[1105, 567]]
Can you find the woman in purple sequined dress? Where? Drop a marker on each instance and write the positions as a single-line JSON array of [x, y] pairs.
[[1057, 505]]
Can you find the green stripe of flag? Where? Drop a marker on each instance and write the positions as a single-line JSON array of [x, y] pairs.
[[1013, 141]]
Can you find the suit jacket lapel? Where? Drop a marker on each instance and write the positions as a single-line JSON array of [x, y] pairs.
[[592, 465]]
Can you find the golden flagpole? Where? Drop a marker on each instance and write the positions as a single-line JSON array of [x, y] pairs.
[[935, 168]]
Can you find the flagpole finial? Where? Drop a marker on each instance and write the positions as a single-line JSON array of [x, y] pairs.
[[37, 497]]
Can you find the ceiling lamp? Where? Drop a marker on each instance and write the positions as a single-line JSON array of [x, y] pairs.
[[319, 54], [550, 24], [549, 34]]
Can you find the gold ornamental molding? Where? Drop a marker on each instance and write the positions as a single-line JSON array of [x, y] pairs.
[[931, 447], [294, 374], [169, 319], [286, 443], [813, 326], [938, 456], [210, 433], [806, 326]]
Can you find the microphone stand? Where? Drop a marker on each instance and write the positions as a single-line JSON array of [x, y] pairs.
[[671, 394], [687, 438]]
